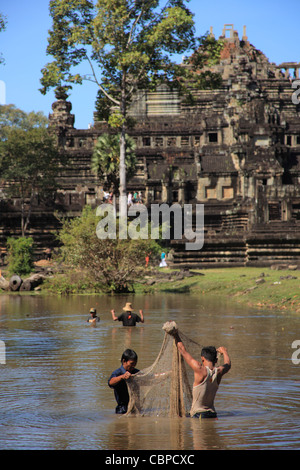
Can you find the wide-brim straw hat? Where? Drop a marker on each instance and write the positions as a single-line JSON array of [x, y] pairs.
[[128, 307]]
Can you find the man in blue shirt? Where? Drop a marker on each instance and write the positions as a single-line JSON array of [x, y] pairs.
[[118, 378]]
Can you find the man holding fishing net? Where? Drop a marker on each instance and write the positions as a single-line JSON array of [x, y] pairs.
[[207, 376], [164, 388]]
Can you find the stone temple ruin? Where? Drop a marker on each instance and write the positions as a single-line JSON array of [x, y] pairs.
[[235, 149]]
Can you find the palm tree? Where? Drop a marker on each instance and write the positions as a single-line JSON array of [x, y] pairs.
[[105, 162]]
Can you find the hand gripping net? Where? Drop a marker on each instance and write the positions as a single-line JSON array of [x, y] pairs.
[[164, 388]]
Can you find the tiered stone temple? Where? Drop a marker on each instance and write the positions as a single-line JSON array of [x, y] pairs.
[[235, 149]]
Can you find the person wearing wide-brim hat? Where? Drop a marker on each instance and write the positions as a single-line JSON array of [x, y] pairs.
[[128, 317], [93, 316]]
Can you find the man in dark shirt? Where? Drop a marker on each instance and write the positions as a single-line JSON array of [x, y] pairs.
[[128, 317], [118, 378]]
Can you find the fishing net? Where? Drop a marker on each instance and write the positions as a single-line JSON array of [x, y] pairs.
[[164, 388]]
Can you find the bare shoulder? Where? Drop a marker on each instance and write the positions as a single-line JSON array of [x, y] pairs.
[[200, 374]]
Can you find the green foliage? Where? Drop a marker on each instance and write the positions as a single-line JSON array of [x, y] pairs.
[[12, 118], [29, 163], [105, 161], [20, 251], [105, 112], [208, 52], [102, 107], [195, 76], [129, 43], [116, 120], [71, 282], [110, 264], [127, 46]]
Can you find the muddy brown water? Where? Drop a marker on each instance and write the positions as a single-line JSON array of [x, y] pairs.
[[54, 392]]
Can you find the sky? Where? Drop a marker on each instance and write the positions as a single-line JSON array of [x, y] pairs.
[[272, 27]]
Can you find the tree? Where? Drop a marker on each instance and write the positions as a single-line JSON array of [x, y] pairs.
[[12, 117], [106, 159], [195, 74], [111, 263], [29, 165], [128, 45]]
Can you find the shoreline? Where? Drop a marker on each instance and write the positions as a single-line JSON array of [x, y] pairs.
[[261, 287], [255, 287]]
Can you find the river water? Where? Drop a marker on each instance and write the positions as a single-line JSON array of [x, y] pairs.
[[54, 392]]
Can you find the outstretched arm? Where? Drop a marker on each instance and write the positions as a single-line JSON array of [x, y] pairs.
[[222, 370], [113, 315], [142, 316], [196, 366], [193, 363]]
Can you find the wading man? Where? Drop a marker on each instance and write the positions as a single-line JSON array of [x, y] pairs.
[[128, 317], [207, 376]]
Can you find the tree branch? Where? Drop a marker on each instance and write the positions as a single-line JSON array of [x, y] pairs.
[[134, 26], [99, 84]]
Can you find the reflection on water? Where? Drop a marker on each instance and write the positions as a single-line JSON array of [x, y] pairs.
[[54, 392]]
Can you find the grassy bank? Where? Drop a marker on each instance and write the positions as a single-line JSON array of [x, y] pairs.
[[259, 287]]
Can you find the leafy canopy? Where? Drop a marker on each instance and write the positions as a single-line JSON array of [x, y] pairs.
[[30, 161], [29, 165], [12, 118], [130, 42]]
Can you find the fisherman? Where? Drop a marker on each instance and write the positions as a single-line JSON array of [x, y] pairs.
[[93, 316], [128, 317], [207, 376], [118, 379]]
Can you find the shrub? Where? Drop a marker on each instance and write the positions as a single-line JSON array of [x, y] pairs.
[[20, 251], [112, 264]]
